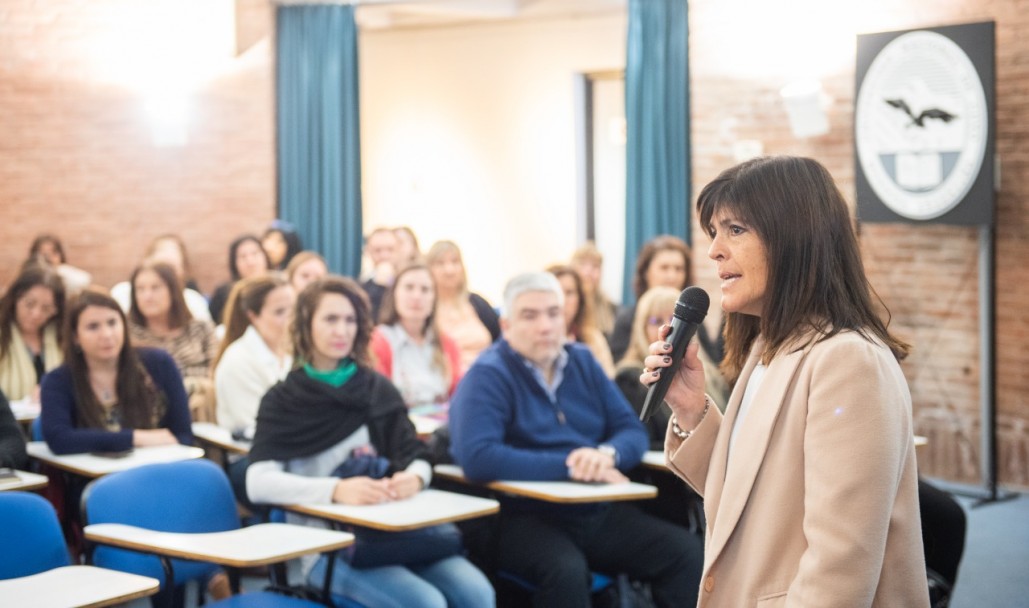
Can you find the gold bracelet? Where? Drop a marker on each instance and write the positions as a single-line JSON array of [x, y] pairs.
[[684, 435]]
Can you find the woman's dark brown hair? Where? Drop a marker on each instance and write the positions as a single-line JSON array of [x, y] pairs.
[[234, 249], [816, 279], [247, 296], [584, 314], [30, 276], [140, 404], [178, 314], [646, 255], [36, 249], [307, 305], [389, 315]]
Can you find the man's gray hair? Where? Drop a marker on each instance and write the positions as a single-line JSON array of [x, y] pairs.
[[531, 281]]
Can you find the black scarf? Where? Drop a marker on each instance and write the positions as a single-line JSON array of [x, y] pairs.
[[301, 416]]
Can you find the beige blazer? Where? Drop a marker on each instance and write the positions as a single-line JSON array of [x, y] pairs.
[[818, 503]]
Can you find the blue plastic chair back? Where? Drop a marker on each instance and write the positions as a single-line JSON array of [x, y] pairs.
[[189, 496], [32, 538], [37, 429]]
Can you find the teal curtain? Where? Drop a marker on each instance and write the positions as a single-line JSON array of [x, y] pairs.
[[318, 142], [657, 114]]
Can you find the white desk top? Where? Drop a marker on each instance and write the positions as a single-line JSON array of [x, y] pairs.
[[655, 459], [90, 465], [76, 586], [559, 491], [426, 508], [921, 440], [25, 410], [257, 545], [26, 481], [208, 432]]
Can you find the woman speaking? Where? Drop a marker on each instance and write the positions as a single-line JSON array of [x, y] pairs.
[[809, 480]]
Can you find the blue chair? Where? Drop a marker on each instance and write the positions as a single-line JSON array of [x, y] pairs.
[[190, 496], [33, 541]]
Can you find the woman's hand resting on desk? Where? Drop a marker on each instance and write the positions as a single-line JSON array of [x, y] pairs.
[[142, 438], [368, 491], [686, 393]]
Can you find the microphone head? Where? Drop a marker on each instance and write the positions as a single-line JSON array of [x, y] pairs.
[[692, 305]]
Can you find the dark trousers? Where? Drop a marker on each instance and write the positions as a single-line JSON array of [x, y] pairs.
[[943, 530], [555, 554]]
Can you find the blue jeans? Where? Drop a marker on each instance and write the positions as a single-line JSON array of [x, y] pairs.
[[450, 582]]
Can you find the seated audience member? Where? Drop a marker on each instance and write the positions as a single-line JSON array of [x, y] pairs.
[[12, 440], [48, 248], [305, 268], [654, 309], [109, 396], [281, 242], [409, 349], [255, 352], [170, 249], [335, 412], [662, 261], [246, 259], [533, 407], [380, 247], [31, 313], [589, 263], [407, 250], [464, 316], [675, 501], [159, 318], [579, 318]]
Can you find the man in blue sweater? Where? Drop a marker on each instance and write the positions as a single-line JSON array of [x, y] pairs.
[[535, 408]]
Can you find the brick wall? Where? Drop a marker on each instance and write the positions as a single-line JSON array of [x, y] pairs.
[[77, 154], [926, 275], [78, 158]]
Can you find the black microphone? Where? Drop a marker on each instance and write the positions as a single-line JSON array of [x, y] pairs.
[[690, 310]]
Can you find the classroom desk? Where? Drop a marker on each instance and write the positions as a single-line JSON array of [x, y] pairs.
[[92, 466], [76, 586], [25, 411], [565, 492], [25, 482], [654, 459], [258, 545], [216, 436], [428, 418], [426, 508]]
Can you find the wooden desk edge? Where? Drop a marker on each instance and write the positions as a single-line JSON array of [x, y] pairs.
[[142, 547], [126, 597], [500, 486], [364, 523]]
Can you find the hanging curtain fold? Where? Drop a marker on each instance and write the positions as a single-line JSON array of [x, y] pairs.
[[317, 131], [657, 117]]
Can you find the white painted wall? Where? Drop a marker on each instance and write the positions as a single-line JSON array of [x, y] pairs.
[[468, 134]]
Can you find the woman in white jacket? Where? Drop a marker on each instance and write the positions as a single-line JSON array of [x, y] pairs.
[[255, 352]]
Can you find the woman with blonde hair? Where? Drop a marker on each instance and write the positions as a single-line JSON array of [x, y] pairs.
[[653, 310], [464, 316], [589, 263]]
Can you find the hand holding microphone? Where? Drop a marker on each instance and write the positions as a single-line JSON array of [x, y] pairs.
[[687, 398]]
